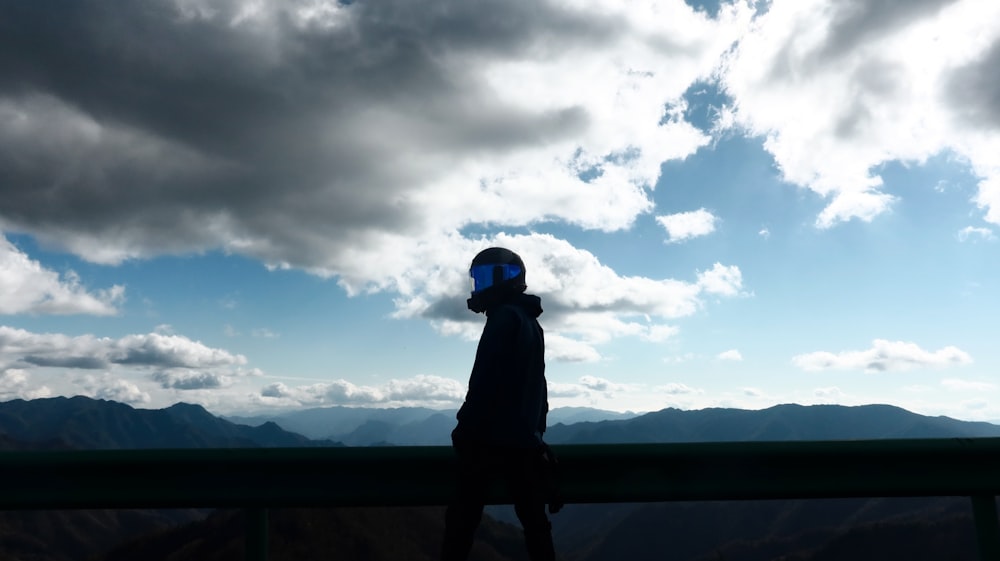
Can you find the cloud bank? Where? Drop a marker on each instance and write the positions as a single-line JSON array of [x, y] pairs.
[[883, 356], [29, 288], [365, 141], [337, 128], [420, 390], [356, 141], [837, 89], [114, 368]]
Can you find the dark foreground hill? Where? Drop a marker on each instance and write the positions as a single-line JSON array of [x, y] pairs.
[[915, 529], [344, 534]]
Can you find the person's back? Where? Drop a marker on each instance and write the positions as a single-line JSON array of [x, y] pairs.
[[500, 425], [506, 403]]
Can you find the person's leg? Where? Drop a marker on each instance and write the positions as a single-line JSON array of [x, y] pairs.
[[526, 477], [466, 508], [537, 532]]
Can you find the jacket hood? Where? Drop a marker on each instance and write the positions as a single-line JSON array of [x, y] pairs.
[[531, 303], [528, 302]]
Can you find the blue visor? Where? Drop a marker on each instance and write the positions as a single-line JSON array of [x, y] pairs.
[[485, 276]]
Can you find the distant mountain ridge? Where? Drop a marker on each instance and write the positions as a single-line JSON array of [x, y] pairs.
[[339, 422], [778, 423], [403, 426], [95, 424], [86, 423]]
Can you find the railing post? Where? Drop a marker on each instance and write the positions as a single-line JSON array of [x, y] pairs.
[[256, 534], [984, 512]]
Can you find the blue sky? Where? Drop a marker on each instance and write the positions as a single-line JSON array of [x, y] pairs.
[[260, 206]]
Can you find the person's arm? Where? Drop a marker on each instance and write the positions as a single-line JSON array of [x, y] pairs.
[[542, 418], [487, 373]]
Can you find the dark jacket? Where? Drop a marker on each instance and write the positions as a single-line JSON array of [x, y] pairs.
[[507, 401]]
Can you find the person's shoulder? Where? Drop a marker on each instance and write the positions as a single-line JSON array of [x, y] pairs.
[[529, 304], [516, 308]]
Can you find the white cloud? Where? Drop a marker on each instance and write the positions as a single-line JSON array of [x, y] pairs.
[[836, 89], [419, 390], [883, 356], [731, 354], [721, 280], [972, 233], [957, 384], [123, 391], [127, 369], [659, 333], [975, 404], [686, 225], [174, 351], [686, 357], [599, 384], [830, 394], [264, 333], [27, 287], [15, 384], [424, 389], [565, 349], [561, 390], [585, 302], [676, 389], [596, 391]]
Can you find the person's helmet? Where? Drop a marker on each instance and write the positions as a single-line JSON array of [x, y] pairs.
[[495, 273]]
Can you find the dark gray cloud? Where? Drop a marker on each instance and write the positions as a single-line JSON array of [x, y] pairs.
[[189, 380], [875, 82], [453, 308], [147, 127], [421, 388], [974, 90], [81, 362], [853, 24], [859, 21], [168, 353]]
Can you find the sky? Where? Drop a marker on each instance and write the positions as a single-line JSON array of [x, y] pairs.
[[269, 205]]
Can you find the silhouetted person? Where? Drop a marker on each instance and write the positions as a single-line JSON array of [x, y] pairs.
[[500, 425]]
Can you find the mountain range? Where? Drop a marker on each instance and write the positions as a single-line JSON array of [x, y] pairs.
[[404, 426], [97, 424], [926, 528], [778, 423]]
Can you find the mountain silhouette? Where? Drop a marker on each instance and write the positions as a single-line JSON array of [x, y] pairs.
[[89, 424], [802, 530], [337, 422], [96, 424], [778, 423], [402, 426]]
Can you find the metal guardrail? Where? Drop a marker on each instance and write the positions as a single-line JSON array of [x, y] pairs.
[[256, 479]]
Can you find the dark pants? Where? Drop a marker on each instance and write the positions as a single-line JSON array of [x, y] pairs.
[[525, 473]]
